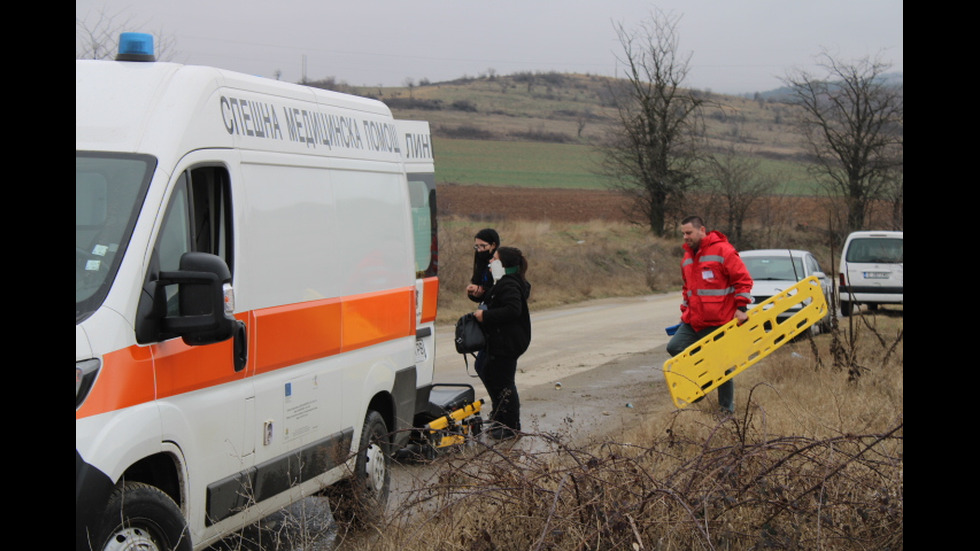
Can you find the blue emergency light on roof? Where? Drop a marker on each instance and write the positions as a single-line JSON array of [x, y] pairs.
[[135, 47]]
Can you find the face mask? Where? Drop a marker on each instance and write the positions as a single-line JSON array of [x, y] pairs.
[[484, 257], [497, 270]]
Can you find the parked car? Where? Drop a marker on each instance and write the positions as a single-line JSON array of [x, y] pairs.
[[775, 270], [872, 267]]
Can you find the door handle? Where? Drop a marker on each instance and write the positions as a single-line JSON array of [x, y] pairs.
[[240, 346]]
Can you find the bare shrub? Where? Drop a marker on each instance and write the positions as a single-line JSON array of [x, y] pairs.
[[812, 460], [466, 132], [735, 488]]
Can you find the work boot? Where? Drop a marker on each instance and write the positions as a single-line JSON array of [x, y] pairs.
[[503, 432]]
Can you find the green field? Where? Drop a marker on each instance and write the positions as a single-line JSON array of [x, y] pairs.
[[521, 164], [549, 165]]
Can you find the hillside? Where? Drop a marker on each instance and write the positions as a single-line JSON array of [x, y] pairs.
[[569, 112]]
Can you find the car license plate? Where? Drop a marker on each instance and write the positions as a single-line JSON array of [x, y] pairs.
[[875, 275], [420, 354]]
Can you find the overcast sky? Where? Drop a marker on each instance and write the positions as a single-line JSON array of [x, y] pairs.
[[736, 46]]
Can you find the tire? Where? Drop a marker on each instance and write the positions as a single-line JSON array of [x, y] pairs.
[[361, 500], [846, 308], [821, 327], [142, 517]]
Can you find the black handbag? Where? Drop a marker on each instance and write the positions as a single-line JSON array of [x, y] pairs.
[[470, 338]]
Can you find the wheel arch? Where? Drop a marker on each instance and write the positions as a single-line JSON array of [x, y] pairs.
[[161, 470], [384, 404]]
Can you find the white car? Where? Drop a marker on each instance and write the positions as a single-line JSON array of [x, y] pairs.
[[773, 271], [872, 270]]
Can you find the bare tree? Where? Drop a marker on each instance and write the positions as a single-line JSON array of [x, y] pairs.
[[852, 122], [734, 177], [654, 142], [581, 120], [895, 193], [97, 35]]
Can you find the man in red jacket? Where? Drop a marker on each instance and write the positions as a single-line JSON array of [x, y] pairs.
[[717, 289]]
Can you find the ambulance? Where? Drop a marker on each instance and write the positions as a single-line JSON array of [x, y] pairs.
[[255, 288]]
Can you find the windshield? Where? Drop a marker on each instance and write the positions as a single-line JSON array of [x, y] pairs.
[[109, 190], [876, 250], [778, 268]]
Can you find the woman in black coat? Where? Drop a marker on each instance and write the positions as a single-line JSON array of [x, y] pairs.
[[507, 323], [484, 245]]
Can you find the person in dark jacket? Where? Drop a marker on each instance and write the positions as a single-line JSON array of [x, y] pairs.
[[507, 323], [484, 245]]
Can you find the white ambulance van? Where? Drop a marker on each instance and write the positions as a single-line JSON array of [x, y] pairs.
[[247, 330]]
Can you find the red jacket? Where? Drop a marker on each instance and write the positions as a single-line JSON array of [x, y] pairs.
[[716, 282]]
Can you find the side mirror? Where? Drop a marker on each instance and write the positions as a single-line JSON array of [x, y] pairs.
[[204, 308]]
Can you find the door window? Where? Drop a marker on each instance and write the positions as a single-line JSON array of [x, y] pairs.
[[197, 220]]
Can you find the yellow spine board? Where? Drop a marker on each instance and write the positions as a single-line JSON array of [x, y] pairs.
[[731, 349], [450, 421], [451, 440]]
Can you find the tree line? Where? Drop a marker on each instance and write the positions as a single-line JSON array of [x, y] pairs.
[[851, 122]]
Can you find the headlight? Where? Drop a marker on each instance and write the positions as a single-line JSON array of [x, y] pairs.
[[85, 372]]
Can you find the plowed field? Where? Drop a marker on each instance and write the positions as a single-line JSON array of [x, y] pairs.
[[499, 203], [575, 205]]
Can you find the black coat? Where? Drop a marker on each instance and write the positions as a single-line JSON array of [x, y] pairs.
[[507, 321], [483, 279]]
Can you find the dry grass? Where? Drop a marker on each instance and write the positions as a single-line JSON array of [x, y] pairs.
[[814, 460]]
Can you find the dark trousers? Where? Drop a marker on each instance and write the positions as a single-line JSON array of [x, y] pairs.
[[686, 336], [498, 376]]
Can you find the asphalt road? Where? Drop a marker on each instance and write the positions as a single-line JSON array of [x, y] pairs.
[[577, 338], [605, 354], [592, 369]]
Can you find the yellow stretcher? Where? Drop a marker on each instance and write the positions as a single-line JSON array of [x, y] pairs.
[[452, 417], [732, 348], [451, 429]]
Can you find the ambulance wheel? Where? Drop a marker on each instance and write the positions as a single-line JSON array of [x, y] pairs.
[[142, 517], [361, 500]]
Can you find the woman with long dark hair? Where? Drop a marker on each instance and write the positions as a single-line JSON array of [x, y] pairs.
[[484, 245], [507, 323]]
